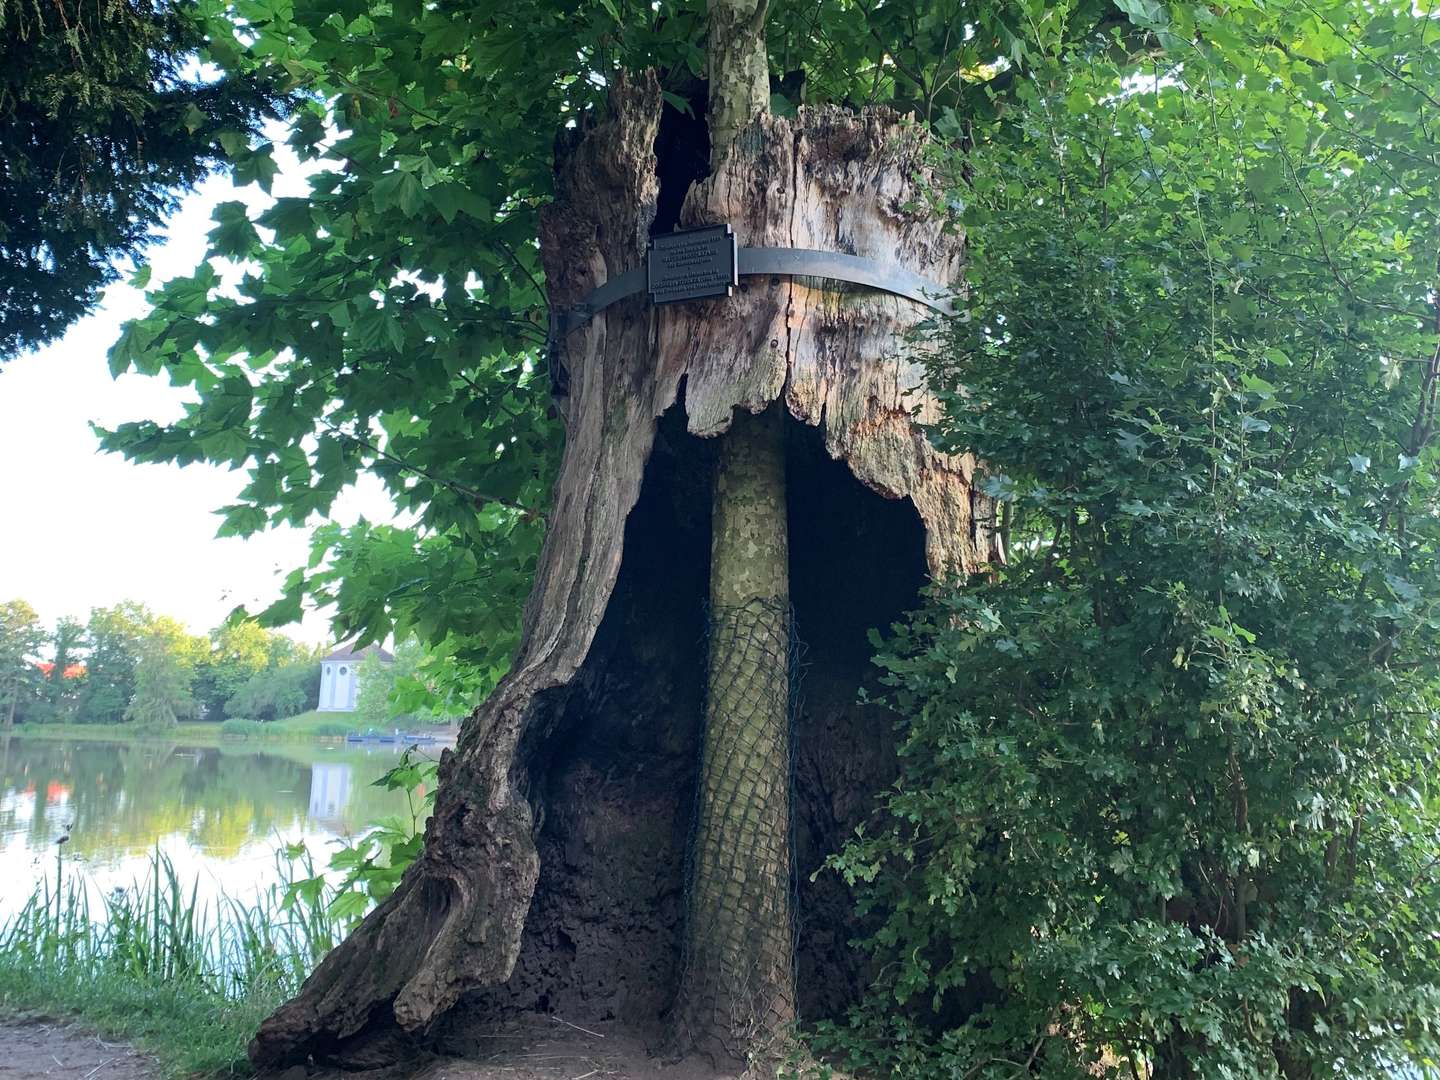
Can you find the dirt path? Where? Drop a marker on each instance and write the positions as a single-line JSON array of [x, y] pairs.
[[35, 1046], [38, 1045], [540, 1049]]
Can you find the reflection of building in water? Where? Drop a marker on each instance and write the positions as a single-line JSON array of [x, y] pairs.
[[329, 791]]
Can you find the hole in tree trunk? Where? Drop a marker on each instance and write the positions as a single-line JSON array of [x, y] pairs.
[[682, 156], [612, 773]]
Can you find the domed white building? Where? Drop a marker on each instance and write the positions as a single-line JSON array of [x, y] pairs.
[[340, 677]]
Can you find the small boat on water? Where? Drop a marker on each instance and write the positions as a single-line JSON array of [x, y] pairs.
[[391, 737]]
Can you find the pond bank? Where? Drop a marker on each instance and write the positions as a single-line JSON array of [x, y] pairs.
[[308, 727], [188, 734]]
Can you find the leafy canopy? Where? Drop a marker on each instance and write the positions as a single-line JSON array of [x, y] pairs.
[[277, 692], [162, 686], [1168, 804], [392, 320], [104, 118]]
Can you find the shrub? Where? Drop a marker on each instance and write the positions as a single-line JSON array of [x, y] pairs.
[[241, 728], [276, 693], [332, 728], [1168, 804]]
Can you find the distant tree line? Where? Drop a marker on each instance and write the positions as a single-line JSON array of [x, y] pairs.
[[126, 664]]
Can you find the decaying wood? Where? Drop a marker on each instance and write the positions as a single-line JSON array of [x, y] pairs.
[[455, 921], [830, 180], [822, 179]]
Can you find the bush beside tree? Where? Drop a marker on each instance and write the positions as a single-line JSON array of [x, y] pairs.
[[1168, 804]]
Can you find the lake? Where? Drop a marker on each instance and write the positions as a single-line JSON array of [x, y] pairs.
[[220, 814]]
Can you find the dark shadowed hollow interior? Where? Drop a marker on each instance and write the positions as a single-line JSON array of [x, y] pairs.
[[612, 773]]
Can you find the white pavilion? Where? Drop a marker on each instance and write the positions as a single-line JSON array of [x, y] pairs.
[[340, 676]]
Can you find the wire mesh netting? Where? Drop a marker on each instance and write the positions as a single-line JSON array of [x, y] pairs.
[[737, 984]]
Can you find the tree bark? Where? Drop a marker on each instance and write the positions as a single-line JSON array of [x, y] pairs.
[[739, 69], [738, 988], [837, 360]]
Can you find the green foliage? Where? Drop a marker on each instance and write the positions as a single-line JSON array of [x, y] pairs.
[[239, 650], [65, 683], [329, 729], [114, 636], [275, 693], [376, 684], [391, 321], [419, 686], [371, 864], [310, 725], [315, 724], [162, 686], [277, 675], [103, 121], [21, 638], [241, 728], [118, 638], [1165, 804], [1168, 805]]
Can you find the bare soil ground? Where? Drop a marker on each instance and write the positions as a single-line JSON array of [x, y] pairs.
[[36, 1046], [549, 1049]]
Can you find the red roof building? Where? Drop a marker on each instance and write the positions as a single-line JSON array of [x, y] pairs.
[[72, 671]]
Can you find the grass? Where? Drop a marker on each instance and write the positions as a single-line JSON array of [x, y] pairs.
[[285, 729], [307, 725], [313, 725], [183, 980], [317, 725], [191, 733], [188, 1035]]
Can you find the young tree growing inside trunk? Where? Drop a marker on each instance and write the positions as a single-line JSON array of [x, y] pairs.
[[738, 988]]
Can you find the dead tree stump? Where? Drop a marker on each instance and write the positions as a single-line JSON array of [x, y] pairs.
[[481, 913]]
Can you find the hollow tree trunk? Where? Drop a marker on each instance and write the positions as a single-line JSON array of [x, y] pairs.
[[833, 359]]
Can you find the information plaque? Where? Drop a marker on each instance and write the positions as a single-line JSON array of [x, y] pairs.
[[692, 264]]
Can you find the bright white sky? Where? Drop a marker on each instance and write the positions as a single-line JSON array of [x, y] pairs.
[[82, 529]]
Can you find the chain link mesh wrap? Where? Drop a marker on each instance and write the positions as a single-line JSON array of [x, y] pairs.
[[738, 973]]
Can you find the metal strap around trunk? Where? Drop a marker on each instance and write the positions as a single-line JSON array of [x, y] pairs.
[[808, 262], [789, 262]]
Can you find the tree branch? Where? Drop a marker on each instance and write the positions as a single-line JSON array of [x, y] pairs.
[[479, 498]]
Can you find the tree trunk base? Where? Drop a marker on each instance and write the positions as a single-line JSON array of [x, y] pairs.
[[553, 875]]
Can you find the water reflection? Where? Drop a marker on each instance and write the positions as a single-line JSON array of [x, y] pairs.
[[220, 814], [329, 791]]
